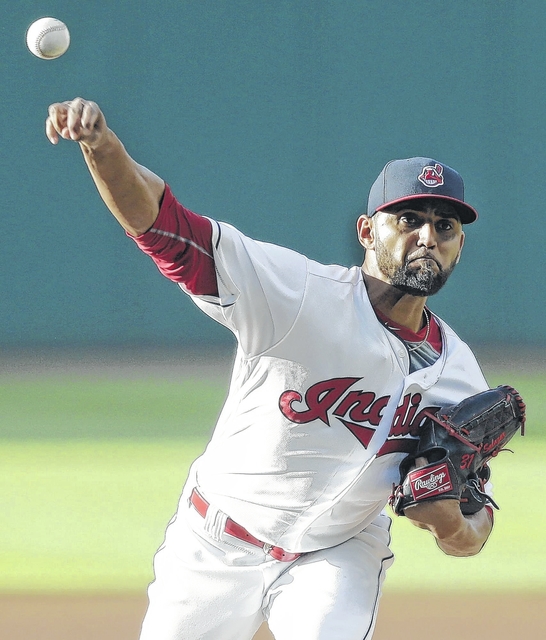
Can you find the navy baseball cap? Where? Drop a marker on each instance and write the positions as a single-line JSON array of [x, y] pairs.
[[415, 178]]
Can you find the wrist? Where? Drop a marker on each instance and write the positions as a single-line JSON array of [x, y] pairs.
[[103, 143]]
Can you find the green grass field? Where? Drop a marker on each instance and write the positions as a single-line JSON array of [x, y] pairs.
[[92, 468]]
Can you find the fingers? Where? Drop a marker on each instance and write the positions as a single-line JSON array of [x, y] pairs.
[[421, 461], [55, 122], [77, 120], [74, 118], [90, 116]]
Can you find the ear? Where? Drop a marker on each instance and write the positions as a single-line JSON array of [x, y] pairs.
[[365, 231]]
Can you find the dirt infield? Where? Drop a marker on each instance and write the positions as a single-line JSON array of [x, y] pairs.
[[416, 617]]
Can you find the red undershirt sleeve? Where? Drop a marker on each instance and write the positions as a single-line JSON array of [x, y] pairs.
[[180, 244]]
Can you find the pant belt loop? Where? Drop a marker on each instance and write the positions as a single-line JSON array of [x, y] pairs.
[[236, 530]]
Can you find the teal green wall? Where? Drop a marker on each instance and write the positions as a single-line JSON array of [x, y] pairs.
[[274, 115]]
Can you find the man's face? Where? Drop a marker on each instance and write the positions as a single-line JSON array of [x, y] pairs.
[[415, 246]]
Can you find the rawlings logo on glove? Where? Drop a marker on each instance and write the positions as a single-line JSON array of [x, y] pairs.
[[427, 483], [458, 441]]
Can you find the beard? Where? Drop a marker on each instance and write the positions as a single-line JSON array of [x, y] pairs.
[[417, 279]]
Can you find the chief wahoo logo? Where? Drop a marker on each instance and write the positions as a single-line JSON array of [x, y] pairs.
[[432, 176]]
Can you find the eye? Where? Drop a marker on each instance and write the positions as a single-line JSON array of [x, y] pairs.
[[444, 225], [409, 220]]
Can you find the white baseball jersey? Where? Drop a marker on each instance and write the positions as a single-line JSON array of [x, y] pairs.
[[321, 407]]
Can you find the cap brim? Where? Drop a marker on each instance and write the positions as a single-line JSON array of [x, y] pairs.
[[467, 214]]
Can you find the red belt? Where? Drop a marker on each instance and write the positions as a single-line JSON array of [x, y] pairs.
[[235, 530]]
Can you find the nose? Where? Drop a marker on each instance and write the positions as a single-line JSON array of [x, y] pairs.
[[427, 235]]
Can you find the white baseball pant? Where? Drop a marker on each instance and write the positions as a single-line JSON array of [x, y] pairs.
[[212, 586]]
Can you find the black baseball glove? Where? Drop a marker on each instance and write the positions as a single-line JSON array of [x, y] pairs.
[[458, 441]]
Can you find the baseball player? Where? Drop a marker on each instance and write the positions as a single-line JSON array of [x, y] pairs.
[[283, 516]]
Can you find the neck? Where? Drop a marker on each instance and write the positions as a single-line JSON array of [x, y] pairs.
[[402, 308]]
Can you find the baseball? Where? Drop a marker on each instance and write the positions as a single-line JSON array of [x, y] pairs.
[[48, 38]]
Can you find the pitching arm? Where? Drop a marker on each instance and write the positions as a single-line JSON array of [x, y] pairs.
[[131, 192]]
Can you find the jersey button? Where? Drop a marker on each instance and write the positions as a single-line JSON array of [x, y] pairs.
[[401, 353]]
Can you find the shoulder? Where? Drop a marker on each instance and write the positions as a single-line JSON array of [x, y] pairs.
[[230, 242], [226, 237], [451, 335], [460, 354], [335, 272], [454, 342]]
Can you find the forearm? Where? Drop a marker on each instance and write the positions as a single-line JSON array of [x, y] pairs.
[[455, 534], [469, 538], [131, 192]]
